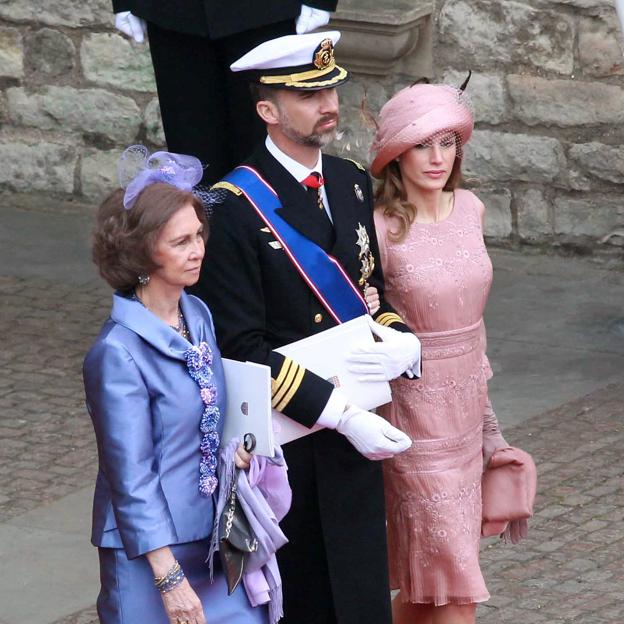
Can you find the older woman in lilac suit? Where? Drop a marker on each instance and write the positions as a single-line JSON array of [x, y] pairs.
[[155, 392]]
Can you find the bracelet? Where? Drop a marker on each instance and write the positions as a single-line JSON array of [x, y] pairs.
[[171, 580]]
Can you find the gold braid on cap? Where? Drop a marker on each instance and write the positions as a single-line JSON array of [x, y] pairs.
[[323, 60]]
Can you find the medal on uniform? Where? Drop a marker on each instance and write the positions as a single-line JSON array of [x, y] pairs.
[[358, 192], [365, 256]]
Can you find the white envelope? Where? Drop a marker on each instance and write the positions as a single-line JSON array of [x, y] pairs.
[[325, 354], [248, 387]]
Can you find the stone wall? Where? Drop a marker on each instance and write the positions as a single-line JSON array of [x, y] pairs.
[[72, 94], [549, 97], [547, 86], [548, 94]]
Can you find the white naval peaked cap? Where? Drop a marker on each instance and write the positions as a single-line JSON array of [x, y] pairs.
[[302, 62]]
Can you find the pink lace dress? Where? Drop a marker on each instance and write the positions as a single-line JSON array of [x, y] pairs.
[[438, 279]]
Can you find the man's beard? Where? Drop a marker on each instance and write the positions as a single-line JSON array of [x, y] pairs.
[[315, 139]]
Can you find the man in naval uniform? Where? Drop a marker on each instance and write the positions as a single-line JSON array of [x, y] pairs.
[[292, 242], [206, 112]]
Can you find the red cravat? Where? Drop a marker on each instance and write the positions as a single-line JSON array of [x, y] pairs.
[[314, 180]]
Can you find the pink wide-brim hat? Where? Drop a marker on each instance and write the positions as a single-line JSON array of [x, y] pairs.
[[416, 114]]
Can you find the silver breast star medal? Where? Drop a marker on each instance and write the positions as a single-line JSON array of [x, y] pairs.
[[358, 192], [365, 256]]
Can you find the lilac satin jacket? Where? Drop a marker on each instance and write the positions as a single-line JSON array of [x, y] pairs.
[[146, 412]]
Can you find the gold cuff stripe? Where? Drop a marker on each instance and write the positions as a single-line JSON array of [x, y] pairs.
[[306, 75], [284, 80], [284, 387], [387, 318], [276, 383], [228, 186], [293, 389]]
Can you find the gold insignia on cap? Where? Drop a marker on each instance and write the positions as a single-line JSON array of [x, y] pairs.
[[324, 55]]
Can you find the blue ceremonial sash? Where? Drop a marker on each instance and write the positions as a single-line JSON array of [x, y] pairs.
[[321, 272]]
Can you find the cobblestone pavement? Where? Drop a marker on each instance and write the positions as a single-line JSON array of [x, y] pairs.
[[571, 569], [47, 447]]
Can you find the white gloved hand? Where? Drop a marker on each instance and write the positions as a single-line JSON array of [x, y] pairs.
[[311, 18], [619, 9], [131, 25], [398, 353], [371, 435]]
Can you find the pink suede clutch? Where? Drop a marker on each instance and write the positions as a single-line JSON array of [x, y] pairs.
[[508, 489]]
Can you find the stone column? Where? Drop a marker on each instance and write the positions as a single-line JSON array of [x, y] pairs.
[[386, 44]]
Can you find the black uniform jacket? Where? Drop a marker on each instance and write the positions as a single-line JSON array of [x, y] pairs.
[[214, 18], [337, 551], [259, 300]]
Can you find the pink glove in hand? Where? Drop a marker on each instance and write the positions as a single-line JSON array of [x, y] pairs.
[[516, 530], [492, 436]]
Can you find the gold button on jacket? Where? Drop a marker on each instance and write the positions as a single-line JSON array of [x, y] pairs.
[[318, 318]]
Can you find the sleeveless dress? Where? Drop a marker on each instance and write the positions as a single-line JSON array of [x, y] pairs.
[[438, 279]]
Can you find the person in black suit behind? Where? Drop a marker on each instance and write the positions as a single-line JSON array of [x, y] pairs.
[[206, 112], [334, 568]]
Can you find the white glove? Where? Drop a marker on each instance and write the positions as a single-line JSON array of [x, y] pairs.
[[398, 353], [619, 9], [311, 18], [371, 435], [131, 25]]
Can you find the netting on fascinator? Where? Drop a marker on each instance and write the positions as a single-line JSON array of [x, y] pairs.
[[137, 168], [210, 197], [422, 115]]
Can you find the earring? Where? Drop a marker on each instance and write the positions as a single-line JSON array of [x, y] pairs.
[[144, 280]]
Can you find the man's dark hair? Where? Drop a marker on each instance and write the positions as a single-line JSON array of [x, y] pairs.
[[261, 92]]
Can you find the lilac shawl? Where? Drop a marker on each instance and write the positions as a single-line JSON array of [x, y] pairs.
[[265, 496]]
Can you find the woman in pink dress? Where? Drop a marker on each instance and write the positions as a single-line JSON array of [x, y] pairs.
[[438, 275]]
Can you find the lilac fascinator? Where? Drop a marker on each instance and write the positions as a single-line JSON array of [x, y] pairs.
[[137, 168]]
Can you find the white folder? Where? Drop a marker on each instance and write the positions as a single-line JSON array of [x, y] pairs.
[[326, 355], [248, 388]]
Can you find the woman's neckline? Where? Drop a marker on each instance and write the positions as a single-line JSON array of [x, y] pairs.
[[448, 216]]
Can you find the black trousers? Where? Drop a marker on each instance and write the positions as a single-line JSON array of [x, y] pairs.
[[206, 109]]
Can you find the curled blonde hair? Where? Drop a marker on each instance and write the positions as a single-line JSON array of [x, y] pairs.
[[391, 197]]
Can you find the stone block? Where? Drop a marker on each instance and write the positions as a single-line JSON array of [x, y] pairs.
[[4, 112], [11, 53], [579, 4], [599, 45], [534, 214], [51, 55], [497, 212], [492, 155], [98, 173], [377, 93], [487, 92], [602, 161], [92, 111], [153, 123], [110, 59], [355, 137], [486, 33], [37, 166], [565, 103], [589, 215], [72, 13]]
